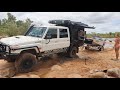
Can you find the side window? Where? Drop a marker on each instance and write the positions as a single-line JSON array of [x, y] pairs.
[[52, 32], [63, 33]]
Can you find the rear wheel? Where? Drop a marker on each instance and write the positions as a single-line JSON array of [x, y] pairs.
[[72, 52], [25, 63]]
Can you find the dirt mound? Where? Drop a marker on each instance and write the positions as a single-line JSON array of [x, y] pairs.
[[114, 72], [56, 67], [98, 75]]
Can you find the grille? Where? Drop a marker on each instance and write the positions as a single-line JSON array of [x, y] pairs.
[[2, 48]]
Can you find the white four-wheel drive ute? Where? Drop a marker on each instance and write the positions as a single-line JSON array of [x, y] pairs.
[[64, 37]]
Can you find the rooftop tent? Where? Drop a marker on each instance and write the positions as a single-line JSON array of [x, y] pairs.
[[69, 23]]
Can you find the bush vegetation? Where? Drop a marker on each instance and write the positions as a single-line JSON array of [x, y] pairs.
[[10, 26]]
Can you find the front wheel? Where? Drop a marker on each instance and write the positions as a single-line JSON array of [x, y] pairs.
[[25, 63]]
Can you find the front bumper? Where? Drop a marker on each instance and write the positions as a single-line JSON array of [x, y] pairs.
[[4, 51], [6, 55]]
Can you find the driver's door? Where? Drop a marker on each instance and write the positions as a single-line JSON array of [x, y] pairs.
[[50, 43]]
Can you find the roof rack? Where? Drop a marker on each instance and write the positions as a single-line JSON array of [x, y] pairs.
[[68, 23]]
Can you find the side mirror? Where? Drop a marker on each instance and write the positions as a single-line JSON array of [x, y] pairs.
[[48, 36]]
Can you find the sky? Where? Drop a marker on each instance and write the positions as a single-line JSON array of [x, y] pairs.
[[104, 22]]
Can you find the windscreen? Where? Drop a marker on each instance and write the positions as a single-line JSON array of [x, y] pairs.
[[36, 32]]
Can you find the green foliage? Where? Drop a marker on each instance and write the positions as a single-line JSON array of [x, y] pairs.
[[103, 35], [12, 27]]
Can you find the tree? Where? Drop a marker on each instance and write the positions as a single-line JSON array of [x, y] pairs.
[[4, 21], [28, 21], [19, 23], [11, 18], [93, 34], [12, 27], [110, 33]]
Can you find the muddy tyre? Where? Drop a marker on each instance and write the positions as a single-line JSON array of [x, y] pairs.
[[72, 53], [25, 63]]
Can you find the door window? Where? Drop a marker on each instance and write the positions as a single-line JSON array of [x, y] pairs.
[[52, 32], [63, 33]]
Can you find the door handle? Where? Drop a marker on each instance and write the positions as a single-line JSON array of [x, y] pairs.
[[48, 42]]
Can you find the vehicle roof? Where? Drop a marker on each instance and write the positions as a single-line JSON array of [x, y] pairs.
[[51, 26]]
